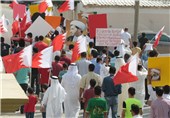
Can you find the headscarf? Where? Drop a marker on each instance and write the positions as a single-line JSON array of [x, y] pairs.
[[55, 88], [72, 74], [72, 69]]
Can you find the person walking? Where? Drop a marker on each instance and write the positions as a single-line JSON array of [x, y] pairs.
[[29, 107], [111, 92], [70, 82], [128, 102], [97, 106], [160, 108], [53, 99]]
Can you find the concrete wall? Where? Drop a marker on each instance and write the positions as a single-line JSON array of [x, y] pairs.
[[150, 19]]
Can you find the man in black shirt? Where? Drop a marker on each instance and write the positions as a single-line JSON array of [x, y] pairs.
[[142, 40], [4, 47]]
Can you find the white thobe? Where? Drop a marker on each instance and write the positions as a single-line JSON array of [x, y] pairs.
[[53, 99], [152, 93], [140, 85], [124, 95], [104, 71], [71, 83]]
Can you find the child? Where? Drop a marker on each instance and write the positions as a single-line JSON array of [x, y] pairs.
[[29, 107], [135, 111], [44, 88]]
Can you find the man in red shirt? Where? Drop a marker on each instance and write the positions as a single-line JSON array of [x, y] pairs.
[[44, 76], [65, 58], [56, 66], [40, 44], [89, 93]]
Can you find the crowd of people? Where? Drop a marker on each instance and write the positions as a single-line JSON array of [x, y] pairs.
[[88, 83]]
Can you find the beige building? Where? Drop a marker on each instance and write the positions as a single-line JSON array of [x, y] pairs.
[[153, 14]]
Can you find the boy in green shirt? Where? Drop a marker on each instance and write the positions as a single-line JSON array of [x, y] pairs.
[[128, 102], [97, 106]]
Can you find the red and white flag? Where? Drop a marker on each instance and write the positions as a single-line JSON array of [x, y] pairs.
[[15, 27], [67, 5], [42, 7], [49, 3], [158, 37], [28, 20], [127, 72], [13, 3], [58, 42], [3, 25], [22, 59], [43, 59], [79, 47]]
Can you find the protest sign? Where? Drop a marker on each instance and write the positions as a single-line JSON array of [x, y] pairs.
[[161, 64], [33, 9], [39, 27], [54, 21], [96, 21], [108, 37]]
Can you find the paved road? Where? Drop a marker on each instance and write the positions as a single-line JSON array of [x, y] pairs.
[[146, 111]]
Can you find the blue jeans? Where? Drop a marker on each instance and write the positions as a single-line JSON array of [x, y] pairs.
[[29, 114], [113, 104]]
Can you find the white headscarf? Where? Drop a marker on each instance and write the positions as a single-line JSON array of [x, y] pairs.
[[72, 69], [72, 73], [55, 89]]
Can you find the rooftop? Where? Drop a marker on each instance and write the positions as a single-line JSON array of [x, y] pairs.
[[128, 3]]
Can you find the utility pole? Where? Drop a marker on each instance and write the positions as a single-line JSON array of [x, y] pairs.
[[136, 19]]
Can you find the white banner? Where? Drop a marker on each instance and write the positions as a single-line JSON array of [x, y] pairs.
[[108, 37]]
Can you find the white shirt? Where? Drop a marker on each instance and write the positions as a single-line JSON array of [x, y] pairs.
[[83, 66], [137, 116], [69, 54], [2, 69], [126, 37], [140, 84], [152, 93], [104, 71]]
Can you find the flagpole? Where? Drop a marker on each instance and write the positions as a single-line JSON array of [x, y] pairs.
[[152, 39]]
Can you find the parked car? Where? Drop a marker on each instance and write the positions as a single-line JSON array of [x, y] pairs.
[[164, 43]]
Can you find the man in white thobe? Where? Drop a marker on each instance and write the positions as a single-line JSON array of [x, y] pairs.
[[124, 95], [70, 82], [140, 84], [53, 99]]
